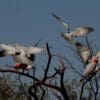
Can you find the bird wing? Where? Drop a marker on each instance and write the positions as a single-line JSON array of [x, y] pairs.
[[81, 47], [34, 50], [83, 51], [29, 49], [7, 50], [65, 25], [82, 31]]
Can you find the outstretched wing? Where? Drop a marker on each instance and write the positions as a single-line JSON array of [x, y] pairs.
[[65, 25], [8, 50], [34, 50], [82, 31]]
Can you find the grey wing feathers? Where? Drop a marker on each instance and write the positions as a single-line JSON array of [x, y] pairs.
[[65, 25], [82, 31]]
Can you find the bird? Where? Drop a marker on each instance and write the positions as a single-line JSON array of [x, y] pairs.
[[67, 36], [98, 55], [90, 68], [27, 56], [23, 56], [83, 51], [80, 31]]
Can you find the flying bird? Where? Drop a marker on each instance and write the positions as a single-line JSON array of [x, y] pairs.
[[90, 68], [75, 33], [27, 55], [67, 36], [81, 31], [83, 51]]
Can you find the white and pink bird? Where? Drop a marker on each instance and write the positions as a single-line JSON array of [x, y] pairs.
[[90, 68], [75, 33], [23, 56]]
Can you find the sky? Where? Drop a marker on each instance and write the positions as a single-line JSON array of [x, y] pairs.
[[27, 21]]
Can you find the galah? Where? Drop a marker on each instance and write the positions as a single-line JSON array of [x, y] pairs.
[[75, 33], [83, 51], [90, 68], [27, 55], [22, 55], [67, 36], [81, 31], [78, 31]]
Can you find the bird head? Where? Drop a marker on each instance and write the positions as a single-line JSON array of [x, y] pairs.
[[94, 59]]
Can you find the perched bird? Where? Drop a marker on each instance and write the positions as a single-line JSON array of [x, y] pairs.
[[83, 51], [90, 68], [75, 33]]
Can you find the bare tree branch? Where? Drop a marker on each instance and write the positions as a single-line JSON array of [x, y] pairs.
[[17, 72]]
